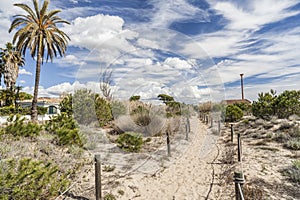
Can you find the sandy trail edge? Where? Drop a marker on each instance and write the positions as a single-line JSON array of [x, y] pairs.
[[189, 177]]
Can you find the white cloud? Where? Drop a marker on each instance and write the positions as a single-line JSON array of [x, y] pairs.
[[7, 10], [147, 43], [24, 72], [177, 63], [102, 33], [62, 88], [70, 60], [256, 14], [22, 81], [168, 11]]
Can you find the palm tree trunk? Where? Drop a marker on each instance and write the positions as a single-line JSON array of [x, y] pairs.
[[34, 111]]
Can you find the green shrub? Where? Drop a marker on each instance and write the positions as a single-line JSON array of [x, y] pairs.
[[29, 179], [293, 144], [293, 172], [19, 128], [11, 110], [233, 113], [135, 98], [265, 106], [117, 109], [66, 105], [103, 111], [288, 103], [281, 137], [109, 197], [84, 106], [246, 108], [130, 141], [282, 106], [65, 129], [7, 110]]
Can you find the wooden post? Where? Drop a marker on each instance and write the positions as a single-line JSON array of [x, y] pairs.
[[189, 124], [98, 177], [168, 143], [239, 147], [186, 132], [219, 126], [238, 179], [211, 121], [231, 130], [206, 119]]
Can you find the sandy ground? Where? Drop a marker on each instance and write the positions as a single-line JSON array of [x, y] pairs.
[[191, 172], [188, 177]]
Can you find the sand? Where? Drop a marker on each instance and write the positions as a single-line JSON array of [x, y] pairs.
[[188, 177]]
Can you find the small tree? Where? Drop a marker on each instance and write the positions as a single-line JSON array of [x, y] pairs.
[[84, 106], [66, 105], [103, 111], [265, 106], [105, 84], [288, 103], [233, 113], [165, 98], [117, 109]]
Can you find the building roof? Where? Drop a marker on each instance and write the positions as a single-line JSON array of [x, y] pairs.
[[45, 100], [234, 101]]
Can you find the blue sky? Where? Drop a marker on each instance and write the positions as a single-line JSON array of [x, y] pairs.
[[191, 49]]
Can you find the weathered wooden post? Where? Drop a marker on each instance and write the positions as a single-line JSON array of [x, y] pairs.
[[168, 142], [189, 124], [231, 130], [239, 147], [186, 132], [211, 122], [206, 119], [238, 180], [98, 177], [219, 126]]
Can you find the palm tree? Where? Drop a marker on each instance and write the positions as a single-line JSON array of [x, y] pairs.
[[39, 33], [11, 59]]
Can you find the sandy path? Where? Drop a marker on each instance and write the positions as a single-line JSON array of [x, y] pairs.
[[189, 177]]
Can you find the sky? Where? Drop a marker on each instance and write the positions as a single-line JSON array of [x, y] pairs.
[[194, 50]]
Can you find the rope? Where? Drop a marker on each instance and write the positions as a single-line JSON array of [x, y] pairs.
[[213, 173]]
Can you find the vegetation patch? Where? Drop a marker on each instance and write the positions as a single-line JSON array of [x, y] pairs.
[[130, 141], [30, 179], [19, 128], [233, 113], [293, 144], [293, 172], [65, 129]]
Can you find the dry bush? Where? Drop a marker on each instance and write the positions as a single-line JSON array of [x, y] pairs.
[[205, 107], [268, 125], [126, 124], [174, 124], [252, 192], [228, 155]]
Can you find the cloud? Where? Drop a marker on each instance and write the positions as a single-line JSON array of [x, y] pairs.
[[70, 60], [62, 88], [250, 44], [168, 11], [7, 10], [255, 13], [102, 33], [24, 72]]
